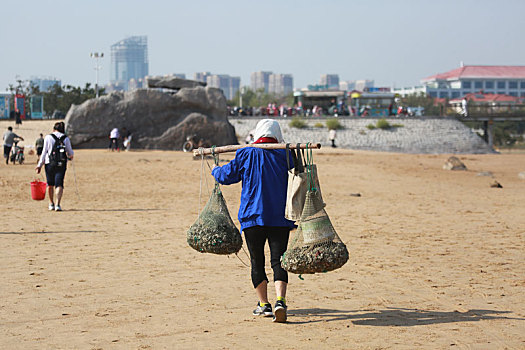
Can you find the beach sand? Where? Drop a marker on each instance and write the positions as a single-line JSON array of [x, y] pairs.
[[436, 258]]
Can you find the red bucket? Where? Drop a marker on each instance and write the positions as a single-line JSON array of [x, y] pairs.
[[38, 190]]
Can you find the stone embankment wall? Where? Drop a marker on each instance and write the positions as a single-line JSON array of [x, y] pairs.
[[434, 135]]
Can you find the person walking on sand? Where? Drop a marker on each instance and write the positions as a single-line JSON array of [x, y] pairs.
[[264, 177], [331, 136], [55, 145], [9, 138], [39, 145], [18, 118], [114, 135]]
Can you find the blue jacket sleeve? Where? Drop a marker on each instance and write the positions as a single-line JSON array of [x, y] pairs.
[[228, 174]]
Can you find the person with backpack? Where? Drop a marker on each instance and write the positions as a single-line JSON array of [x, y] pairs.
[[57, 151]]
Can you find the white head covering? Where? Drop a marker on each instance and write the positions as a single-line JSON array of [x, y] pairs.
[[268, 128]]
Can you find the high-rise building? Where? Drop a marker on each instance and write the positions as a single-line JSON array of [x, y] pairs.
[[330, 80], [260, 80], [229, 85], [359, 85], [201, 76], [129, 60], [45, 83], [280, 84]]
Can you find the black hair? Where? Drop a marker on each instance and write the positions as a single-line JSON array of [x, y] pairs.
[[60, 127], [10, 128]]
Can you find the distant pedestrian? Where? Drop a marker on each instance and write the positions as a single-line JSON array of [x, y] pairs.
[[57, 150], [464, 107], [39, 145], [18, 118], [126, 134], [9, 138], [331, 136], [114, 135]]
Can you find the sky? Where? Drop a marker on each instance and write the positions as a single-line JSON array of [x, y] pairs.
[[396, 43]]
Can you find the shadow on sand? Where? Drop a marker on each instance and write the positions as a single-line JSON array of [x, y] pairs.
[[395, 316], [123, 209], [44, 232]]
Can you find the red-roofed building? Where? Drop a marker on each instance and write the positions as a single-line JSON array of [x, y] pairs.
[[499, 80], [479, 98], [496, 102]]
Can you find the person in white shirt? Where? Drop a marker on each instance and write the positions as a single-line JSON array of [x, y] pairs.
[[464, 105], [114, 135], [331, 136], [55, 174]]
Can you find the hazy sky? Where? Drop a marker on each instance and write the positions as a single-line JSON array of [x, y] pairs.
[[393, 42]]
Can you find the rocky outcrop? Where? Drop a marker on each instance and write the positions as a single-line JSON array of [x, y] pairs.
[[157, 120], [170, 82]]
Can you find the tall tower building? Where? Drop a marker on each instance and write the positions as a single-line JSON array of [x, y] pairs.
[[260, 80], [129, 60], [280, 84], [330, 80]]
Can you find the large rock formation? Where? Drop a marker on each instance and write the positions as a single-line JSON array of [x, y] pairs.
[[171, 82], [157, 120]]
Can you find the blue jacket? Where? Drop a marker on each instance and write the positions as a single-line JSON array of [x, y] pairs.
[[264, 184]]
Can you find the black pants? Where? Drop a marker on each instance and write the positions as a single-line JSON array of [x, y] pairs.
[[277, 237], [113, 144], [7, 151]]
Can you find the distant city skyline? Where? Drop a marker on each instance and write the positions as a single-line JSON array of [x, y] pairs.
[[392, 43]]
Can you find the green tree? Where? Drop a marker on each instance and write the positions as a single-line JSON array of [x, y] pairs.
[[421, 100], [60, 98]]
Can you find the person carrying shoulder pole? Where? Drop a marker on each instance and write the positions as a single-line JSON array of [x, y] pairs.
[[57, 150], [264, 176]]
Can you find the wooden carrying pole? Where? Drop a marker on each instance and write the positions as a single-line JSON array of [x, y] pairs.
[[233, 148]]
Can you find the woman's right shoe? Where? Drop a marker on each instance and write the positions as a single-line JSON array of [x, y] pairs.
[[265, 310], [280, 312], [51, 207]]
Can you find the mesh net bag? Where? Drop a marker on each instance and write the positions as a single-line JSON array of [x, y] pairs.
[[316, 247], [214, 231]]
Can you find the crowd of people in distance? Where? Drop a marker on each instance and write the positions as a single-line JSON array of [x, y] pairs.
[[283, 110]]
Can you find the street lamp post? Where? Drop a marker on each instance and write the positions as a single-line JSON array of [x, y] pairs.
[[241, 92], [96, 56]]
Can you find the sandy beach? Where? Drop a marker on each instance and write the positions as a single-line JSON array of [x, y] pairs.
[[436, 258]]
